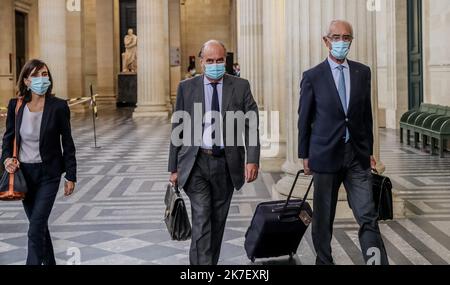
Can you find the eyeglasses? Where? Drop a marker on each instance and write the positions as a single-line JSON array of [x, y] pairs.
[[336, 38]]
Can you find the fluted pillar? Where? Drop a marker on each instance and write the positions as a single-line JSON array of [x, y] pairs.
[[74, 46], [274, 125], [250, 45], [52, 32], [153, 58], [302, 53], [392, 43], [105, 52], [306, 22], [175, 44], [7, 62]]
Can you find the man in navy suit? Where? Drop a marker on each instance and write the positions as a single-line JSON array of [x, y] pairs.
[[336, 144]]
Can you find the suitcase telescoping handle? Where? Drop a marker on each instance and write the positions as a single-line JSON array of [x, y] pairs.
[[285, 208], [292, 191]]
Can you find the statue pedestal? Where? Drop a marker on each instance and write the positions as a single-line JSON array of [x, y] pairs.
[[127, 96]]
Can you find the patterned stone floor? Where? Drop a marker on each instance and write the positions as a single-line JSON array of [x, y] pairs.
[[115, 216]]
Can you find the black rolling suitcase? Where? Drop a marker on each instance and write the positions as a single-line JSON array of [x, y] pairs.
[[278, 227]]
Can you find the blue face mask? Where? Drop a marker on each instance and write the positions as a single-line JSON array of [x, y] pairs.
[[340, 49], [215, 71], [40, 85]]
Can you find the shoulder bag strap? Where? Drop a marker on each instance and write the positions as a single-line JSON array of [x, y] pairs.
[[18, 106], [15, 155]]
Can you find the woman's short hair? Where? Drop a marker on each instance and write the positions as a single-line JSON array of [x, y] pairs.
[[34, 66]]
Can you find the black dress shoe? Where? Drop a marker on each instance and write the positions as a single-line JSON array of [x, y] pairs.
[[320, 262]]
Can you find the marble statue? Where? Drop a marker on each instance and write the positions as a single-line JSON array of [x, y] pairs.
[[129, 57]]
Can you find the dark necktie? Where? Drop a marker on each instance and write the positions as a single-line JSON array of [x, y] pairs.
[[215, 107]]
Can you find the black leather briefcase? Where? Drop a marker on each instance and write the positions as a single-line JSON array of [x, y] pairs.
[[382, 194], [176, 216]]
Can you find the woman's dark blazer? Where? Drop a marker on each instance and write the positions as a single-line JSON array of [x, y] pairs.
[[55, 132]]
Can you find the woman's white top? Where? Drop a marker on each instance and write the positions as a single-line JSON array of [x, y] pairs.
[[30, 133]]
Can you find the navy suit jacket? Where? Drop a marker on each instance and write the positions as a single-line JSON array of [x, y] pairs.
[[322, 120]]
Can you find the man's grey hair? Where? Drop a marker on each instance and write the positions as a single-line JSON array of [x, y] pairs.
[[210, 42], [334, 22]]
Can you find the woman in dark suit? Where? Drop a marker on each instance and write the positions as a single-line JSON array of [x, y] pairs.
[[43, 126]]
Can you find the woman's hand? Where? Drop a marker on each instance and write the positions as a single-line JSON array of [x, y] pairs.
[[12, 165], [69, 188]]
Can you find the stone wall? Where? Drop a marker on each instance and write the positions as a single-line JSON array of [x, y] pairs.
[[75, 62], [392, 62], [436, 30], [6, 49], [202, 20], [7, 39]]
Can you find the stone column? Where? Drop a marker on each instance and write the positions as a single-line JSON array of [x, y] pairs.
[[392, 44], [89, 40], [153, 58], [175, 46], [306, 22], [233, 47], [273, 125], [74, 46], [33, 30], [52, 30], [303, 51], [105, 53], [7, 60], [250, 45]]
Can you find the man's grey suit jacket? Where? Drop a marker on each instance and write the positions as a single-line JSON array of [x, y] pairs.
[[237, 97]]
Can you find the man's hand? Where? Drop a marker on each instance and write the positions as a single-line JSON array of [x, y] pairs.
[[69, 188], [306, 167], [251, 172], [174, 179], [373, 162]]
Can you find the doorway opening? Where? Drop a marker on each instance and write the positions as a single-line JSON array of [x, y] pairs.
[[21, 20], [415, 54]]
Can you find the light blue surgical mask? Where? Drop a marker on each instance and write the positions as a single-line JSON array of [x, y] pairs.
[[340, 49], [215, 71], [40, 85]]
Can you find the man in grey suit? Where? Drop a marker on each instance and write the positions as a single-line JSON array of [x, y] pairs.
[[208, 160]]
